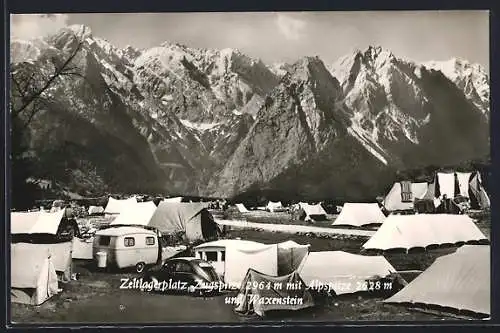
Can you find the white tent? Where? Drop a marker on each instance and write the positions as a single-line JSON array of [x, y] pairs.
[[394, 199], [312, 212], [290, 255], [342, 272], [423, 230], [214, 252], [446, 183], [95, 210], [36, 222], [82, 248], [173, 200], [33, 276], [136, 214], [460, 280], [116, 206], [241, 208], [262, 258], [274, 206], [360, 214], [463, 183]]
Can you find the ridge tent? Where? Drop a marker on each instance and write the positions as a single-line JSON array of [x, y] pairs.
[[396, 200], [360, 214], [115, 206], [445, 185], [33, 276], [428, 203], [192, 220], [241, 208], [290, 255], [45, 232], [215, 252], [460, 281], [173, 200], [260, 293], [341, 271], [28, 223], [479, 197], [262, 258], [274, 206], [136, 214], [312, 212], [61, 255], [95, 210], [463, 179], [423, 230]]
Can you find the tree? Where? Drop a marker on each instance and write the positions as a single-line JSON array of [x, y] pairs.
[[29, 87]]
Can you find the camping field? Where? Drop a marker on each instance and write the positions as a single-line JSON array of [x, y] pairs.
[[96, 297]]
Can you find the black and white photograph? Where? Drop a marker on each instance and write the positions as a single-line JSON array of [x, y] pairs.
[[250, 167]]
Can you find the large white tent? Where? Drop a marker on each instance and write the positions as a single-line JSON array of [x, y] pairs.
[[312, 212], [116, 206], [36, 222], [359, 214], [136, 214], [259, 257], [33, 276], [460, 280], [274, 206], [423, 230], [341, 271], [290, 256], [394, 200], [241, 208]]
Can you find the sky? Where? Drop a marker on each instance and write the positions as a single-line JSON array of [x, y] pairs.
[[286, 36]]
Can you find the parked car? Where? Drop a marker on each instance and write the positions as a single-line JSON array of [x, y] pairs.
[[183, 275]]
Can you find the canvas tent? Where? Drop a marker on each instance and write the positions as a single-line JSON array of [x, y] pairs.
[[262, 258], [479, 197], [253, 299], [95, 210], [82, 248], [460, 281], [173, 200], [136, 214], [241, 208], [445, 185], [312, 212], [215, 252], [36, 222], [115, 206], [274, 206], [33, 276], [463, 179], [423, 230], [341, 271], [290, 255], [398, 200], [359, 214], [192, 220], [428, 203]]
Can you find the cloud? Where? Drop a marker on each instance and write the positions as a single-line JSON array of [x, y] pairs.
[[291, 28], [28, 26]]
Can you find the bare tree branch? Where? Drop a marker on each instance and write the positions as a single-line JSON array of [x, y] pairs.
[[48, 83]]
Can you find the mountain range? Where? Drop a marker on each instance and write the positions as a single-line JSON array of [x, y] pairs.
[[179, 120]]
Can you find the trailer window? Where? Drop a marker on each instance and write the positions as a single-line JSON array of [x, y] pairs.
[[223, 257], [104, 240], [150, 241], [129, 241], [211, 256]]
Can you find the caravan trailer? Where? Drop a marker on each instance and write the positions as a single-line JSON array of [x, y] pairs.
[[126, 247]]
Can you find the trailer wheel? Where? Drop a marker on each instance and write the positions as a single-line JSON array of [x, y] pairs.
[[139, 267]]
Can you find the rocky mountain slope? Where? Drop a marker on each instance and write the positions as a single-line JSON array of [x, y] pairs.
[[175, 119]]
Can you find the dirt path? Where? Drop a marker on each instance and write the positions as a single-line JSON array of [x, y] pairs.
[[294, 228]]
